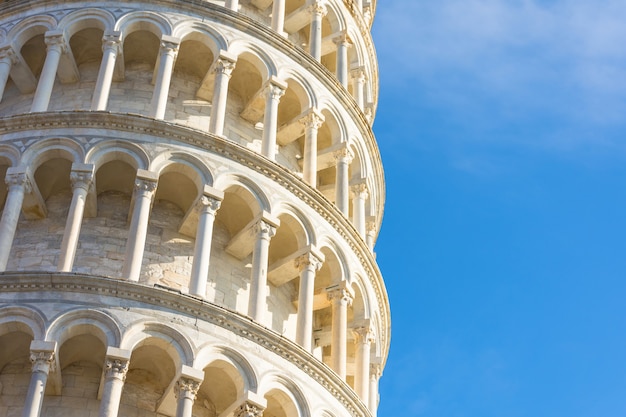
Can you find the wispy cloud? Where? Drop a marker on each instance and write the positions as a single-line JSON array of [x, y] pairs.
[[548, 63]]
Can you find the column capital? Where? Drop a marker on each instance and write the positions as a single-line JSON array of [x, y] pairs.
[[359, 190], [340, 293], [343, 38], [249, 409], [187, 387], [264, 229], [371, 226], [8, 54], [318, 7], [224, 64], [42, 356], [358, 73], [313, 119], [375, 370], [363, 335], [111, 40], [18, 177], [116, 368], [81, 176], [146, 181], [55, 39], [309, 259], [275, 88], [344, 155], [169, 44]]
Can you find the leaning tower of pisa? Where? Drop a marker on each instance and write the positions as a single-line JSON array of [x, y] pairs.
[[192, 193]]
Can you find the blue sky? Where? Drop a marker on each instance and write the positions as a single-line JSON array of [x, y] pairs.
[[502, 127]]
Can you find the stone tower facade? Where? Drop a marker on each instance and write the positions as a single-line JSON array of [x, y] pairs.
[[193, 193]]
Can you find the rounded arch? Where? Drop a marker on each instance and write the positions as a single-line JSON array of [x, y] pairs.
[[286, 209], [334, 122], [262, 61], [189, 165], [86, 18], [361, 303], [150, 21], [275, 385], [305, 93], [25, 319], [30, 27], [9, 155], [335, 17], [228, 180], [92, 322], [359, 168], [175, 344], [209, 354], [335, 260], [201, 32], [108, 151], [48, 149]]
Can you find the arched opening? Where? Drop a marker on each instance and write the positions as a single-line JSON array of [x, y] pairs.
[[220, 389]]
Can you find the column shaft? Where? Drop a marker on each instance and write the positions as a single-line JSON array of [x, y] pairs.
[[373, 390], [232, 5], [343, 157], [343, 43], [360, 194], [204, 237], [144, 191], [258, 283], [223, 70], [340, 298], [81, 181], [115, 370], [169, 49], [278, 16], [42, 363], [55, 46], [318, 11], [186, 390], [358, 86], [110, 48], [18, 183], [312, 122], [363, 340], [275, 91], [7, 57], [307, 265]]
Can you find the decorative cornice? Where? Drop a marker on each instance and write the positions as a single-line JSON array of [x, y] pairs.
[[193, 307], [280, 175]]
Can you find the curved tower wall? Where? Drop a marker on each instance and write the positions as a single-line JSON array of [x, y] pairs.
[[193, 194]]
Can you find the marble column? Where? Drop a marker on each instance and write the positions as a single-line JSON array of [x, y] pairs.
[[343, 43], [264, 230], [186, 389], [42, 357], [375, 373], [208, 204], [232, 4], [340, 298], [169, 50], [343, 158], [19, 183], [358, 86], [275, 89], [370, 231], [359, 196], [115, 370], [145, 186], [308, 264], [312, 122], [7, 60], [249, 409], [111, 44], [81, 178], [55, 43], [278, 16], [223, 68], [363, 338], [318, 11]]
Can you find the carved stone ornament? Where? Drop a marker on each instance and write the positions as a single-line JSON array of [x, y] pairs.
[[7, 53], [116, 368], [318, 8], [110, 41], [248, 409], [209, 205], [187, 387], [146, 186], [42, 361], [363, 335], [18, 180], [313, 120], [308, 260], [81, 179], [264, 230], [224, 66], [56, 41], [274, 91], [341, 295], [170, 48], [344, 155]]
